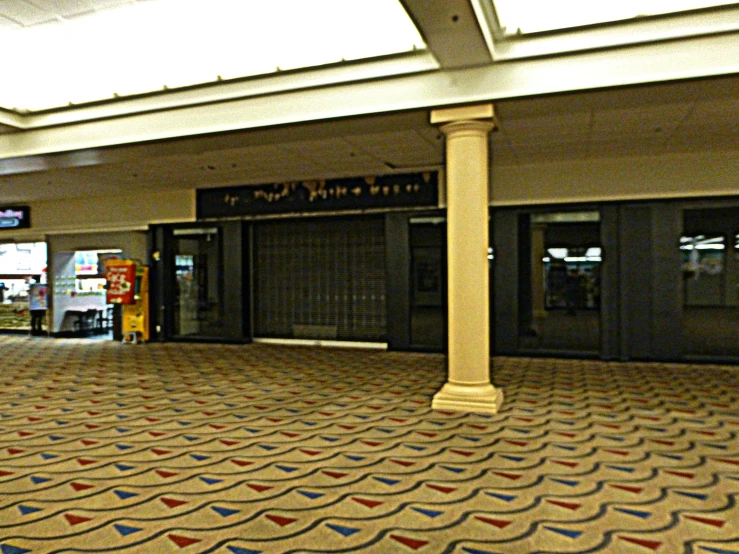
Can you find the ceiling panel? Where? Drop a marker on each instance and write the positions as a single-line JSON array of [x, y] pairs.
[[25, 13], [6, 23], [533, 130], [640, 121]]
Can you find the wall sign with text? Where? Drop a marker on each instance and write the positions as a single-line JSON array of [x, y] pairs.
[[15, 217], [388, 191], [121, 277]]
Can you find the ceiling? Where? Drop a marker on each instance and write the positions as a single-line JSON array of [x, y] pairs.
[[634, 120], [645, 120], [69, 53], [16, 14]]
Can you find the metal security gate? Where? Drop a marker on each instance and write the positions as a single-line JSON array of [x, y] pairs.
[[320, 279]]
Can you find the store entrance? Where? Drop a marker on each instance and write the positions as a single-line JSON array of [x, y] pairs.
[[198, 283], [709, 248], [23, 287], [559, 282]]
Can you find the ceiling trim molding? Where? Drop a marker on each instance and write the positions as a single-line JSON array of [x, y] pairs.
[[225, 91], [649, 63], [11, 119]]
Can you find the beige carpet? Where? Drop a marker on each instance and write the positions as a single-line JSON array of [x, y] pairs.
[[245, 449]]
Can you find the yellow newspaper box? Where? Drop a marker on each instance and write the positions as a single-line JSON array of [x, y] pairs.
[[136, 315]]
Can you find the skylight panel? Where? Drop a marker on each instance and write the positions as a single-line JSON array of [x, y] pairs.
[[534, 16], [166, 44]]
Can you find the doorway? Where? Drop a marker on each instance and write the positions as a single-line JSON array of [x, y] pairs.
[[198, 283], [709, 248], [560, 258]]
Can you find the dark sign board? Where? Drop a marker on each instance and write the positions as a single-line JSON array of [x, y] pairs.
[[388, 191], [16, 217]]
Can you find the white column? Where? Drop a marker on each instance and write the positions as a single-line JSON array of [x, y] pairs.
[[468, 387]]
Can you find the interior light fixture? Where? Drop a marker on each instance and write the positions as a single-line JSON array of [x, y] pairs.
[[143, 47], [534, 16], [558, 253]]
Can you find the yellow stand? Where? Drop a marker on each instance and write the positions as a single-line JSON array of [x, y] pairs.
[[136, 316]]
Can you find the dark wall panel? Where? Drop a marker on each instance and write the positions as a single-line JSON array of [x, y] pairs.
[[233, 281], [397, 247], [667, 305], [635, 260], [610, 293], [505, 274]]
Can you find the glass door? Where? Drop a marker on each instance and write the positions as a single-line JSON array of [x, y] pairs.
[[198, 283], [560, 259], [709, 248]]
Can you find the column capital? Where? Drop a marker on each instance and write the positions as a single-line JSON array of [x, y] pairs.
[[478, 112], [466, 127]]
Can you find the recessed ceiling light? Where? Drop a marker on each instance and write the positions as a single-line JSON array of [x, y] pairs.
[[140, 45]]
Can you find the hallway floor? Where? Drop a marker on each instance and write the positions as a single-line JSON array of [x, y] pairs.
[[245, 449]]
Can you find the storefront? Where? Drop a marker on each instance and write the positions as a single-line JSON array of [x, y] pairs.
[[633, 280], [22, 279], [77, 284], [656, 280], [294, 261]]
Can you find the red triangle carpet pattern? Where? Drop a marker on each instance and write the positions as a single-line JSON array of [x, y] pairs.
[[157, 448]]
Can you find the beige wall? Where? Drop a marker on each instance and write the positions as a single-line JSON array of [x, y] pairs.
[[100, 214], [133, 243], [695, 174]]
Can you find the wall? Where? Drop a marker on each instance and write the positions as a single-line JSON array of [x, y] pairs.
[[690, 174], [133, 243], [108, 213]]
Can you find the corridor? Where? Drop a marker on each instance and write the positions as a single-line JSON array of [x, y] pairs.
[[171, 447]]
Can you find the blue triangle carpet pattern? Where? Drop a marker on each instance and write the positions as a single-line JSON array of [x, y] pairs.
[[108, 447]]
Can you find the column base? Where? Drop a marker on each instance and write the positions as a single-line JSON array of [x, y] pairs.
[[483, 398]]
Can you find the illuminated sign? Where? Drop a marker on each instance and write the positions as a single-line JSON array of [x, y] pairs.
[[18, 217]]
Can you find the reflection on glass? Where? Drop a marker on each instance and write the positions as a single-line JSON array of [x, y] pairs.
[[198, 284], [428, 285], [702, 265], [710, 282], [572, 279], [560, 286]]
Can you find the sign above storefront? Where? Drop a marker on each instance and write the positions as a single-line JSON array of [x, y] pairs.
[[387, 191], [16, 217]]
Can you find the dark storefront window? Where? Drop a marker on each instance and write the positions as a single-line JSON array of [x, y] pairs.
[[710, 269], [560, 281], [428, 310], [198, 283]]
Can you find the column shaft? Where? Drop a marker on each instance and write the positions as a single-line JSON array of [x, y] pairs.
[[467, 245]]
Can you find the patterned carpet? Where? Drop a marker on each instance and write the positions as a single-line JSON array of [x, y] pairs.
[[263, 449]]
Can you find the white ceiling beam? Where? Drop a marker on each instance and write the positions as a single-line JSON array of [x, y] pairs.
[[225, 91], [649, 63], [451, 31], [275, 137], [11, 119]]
